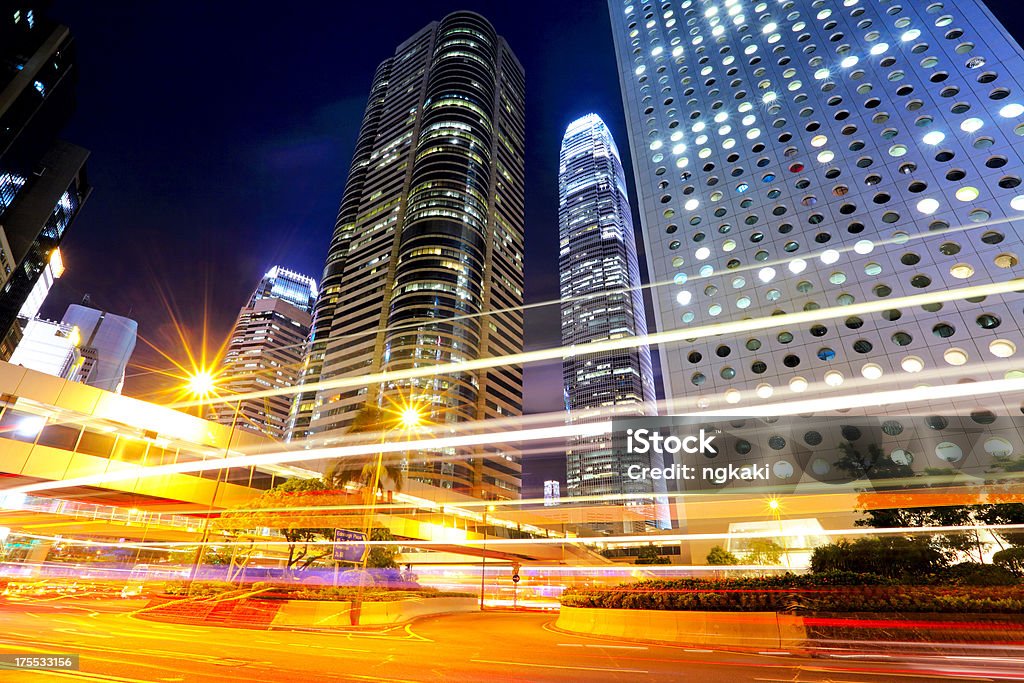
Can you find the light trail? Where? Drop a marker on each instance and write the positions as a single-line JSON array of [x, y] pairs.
[[602, 541], [657, 338], [275, 458], [808, 256]]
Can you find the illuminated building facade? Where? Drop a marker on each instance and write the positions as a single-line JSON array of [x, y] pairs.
[[599, 279], [425, 266], [265, 351], [107, 342], [806, 165], [42, 180], [552, 495], [48, 346]]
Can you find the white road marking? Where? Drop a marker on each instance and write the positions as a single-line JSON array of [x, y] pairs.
[[558, 666]]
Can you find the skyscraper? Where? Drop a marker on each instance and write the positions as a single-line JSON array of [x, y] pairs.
[[265, 351], [42, 180], [107, 342], [425, 266], [601, 300], [794, 159]]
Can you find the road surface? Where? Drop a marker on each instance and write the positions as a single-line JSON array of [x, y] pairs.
[[493, 646]]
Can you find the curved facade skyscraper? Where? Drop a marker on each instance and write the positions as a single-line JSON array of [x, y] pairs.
[[599, 278], [426, 263]]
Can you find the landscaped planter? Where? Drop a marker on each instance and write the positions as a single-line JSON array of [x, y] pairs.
[[261, 612], [748, 629], [330, 613]]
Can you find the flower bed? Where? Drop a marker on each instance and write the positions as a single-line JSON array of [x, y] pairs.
[[809, 594]]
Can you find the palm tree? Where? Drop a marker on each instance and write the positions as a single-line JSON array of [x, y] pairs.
[[360, 469]]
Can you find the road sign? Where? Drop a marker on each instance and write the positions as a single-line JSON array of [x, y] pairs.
[[352, 546], [515, 578]]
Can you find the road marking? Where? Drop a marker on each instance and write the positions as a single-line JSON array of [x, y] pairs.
[[558, 666], [772, 652], [80, 675], [570, 645], [923, 674], [701, 651], [619, 647]]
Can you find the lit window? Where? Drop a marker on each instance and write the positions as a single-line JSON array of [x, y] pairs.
[[871, 371], [955, 356], [967, 194], [833, 378], [912, 364], [929, 206], [1010, 111], [933, 138], [971, 125]]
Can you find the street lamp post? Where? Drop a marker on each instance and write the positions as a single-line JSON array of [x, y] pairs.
[[409, 419], [483, 559], [201, 385]]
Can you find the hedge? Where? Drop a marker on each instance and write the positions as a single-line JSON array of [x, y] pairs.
[[298, 592], [811, 594]]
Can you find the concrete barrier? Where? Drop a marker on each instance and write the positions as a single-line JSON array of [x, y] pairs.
[[747, 629], [334, 613]]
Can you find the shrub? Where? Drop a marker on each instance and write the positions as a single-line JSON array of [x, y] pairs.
[[893, 556], [1011, 559], [199, 589], [830, 593], [977, 574], [720, 556]]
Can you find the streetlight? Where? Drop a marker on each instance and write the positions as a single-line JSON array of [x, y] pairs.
[[483, 559], [409, 419], [201, 385]]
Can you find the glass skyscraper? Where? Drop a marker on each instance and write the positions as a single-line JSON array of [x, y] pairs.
[[806, 166], [601, 298], [425, 266], [43, 182], [266, 352]]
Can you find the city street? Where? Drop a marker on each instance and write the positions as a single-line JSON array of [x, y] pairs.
[[115, 646]]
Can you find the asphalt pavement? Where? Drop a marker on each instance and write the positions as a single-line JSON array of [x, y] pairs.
[[492, 646]]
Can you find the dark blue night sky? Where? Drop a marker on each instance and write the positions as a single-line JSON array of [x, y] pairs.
[[221, 135]]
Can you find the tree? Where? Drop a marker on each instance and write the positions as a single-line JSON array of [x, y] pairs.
[[382, 556], [720, 556], [649, 555], [1005, 513], [763, 551], [360, 470], [1011, 559], [291, 508], [893, 556]]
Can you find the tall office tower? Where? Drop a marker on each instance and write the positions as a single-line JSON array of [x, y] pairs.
[[426, 263], [551, 493], [601, 300], [804, 165], [42, 180], [265, 351], [49, 347], [106, 343]]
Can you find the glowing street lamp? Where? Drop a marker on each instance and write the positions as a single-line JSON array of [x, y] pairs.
[[201, 384], [411, 418]]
